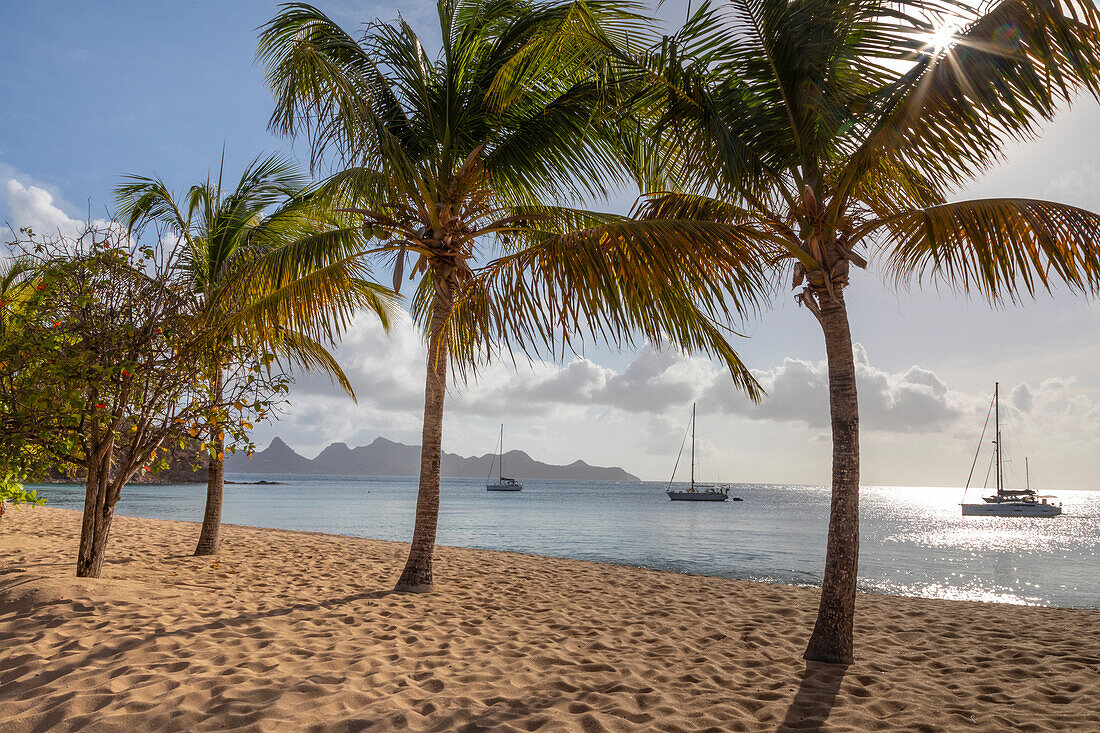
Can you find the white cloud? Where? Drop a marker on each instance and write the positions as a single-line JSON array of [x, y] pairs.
[[662, 435], [27, 202], [34, 207]]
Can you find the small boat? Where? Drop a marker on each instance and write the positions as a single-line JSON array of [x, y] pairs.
[[502, 482], [696, 491], [1025, 502]]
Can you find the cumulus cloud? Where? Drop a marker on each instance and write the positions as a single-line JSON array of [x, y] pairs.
[[1021, 398], [35, 207], [387, 372], [662, 435], [914, 400]]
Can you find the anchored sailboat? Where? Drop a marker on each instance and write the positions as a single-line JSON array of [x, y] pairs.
[[696, 492], [1023, 502], [502, 483]]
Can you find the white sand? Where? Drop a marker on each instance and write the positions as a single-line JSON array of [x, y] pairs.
[[294, 631]]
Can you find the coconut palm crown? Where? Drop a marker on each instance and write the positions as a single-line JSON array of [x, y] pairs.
[[834, 131], [268, 268], [457, 157]]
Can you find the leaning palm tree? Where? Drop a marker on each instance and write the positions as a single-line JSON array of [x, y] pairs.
[[236, 249], [825, 128], [453, 158]]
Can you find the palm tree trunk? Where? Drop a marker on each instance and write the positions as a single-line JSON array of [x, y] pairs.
[[831, 640], [210, 535], [417, 575]]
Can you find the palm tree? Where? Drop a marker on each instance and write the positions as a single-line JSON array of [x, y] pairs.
[[236, 250], [827, 127], [446, 157], [15, 287]]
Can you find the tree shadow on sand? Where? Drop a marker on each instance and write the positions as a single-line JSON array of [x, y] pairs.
[[815, 697]]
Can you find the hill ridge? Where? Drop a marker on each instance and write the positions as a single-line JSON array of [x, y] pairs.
[[385, 457]]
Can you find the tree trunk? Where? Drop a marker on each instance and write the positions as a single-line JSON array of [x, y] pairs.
[[210, 536], [96, 524], [831, 640], [417, 575]]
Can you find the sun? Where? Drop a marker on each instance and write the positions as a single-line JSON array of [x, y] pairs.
[[945, 36]]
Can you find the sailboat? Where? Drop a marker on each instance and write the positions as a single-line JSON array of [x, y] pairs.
[[502, 483], [696, 492], [1023, 502]]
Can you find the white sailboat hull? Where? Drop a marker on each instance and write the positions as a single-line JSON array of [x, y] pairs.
[[696, 496], [1011, 509], [504, 487]]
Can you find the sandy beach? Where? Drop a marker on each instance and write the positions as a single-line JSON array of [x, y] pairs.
[[298, 631]]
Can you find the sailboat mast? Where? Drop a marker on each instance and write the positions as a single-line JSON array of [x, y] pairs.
[[997, 428], [500, 463], [1027, 476], [693, 445]]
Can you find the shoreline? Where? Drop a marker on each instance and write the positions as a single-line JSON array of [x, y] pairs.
[[298, 630]]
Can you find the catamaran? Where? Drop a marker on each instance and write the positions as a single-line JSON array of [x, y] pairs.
[[696, 492], [502, 483], [1025, 502]]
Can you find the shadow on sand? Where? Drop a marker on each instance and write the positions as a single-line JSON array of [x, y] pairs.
[[815, 697]]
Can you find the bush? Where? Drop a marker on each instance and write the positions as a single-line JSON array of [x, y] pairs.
[[12, 492]]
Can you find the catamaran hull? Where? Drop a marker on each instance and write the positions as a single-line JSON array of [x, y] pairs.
[[695, 496], [1008, 509], [502, 487]]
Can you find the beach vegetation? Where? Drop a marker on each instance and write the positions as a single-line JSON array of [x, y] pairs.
[[234, 259], [106, 361], [13, 493], [460, 164], [835, 134]]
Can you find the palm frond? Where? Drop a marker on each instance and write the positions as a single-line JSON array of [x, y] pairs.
[[305, 353], [326, 84], [671, 283], [999, 248], [1005, 72]]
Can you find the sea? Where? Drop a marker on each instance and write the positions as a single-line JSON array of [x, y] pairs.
[[914, 541]]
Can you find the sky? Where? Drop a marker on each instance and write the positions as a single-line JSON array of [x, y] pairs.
[[93, 91]]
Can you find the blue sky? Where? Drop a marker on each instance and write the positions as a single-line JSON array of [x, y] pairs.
[[92, 91]]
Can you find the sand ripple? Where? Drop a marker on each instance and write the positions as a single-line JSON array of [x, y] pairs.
[[297, 631]]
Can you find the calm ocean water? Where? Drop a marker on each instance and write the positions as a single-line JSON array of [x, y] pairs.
[[914, 541]]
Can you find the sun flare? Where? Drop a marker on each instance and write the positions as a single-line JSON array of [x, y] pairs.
[[944, 36]]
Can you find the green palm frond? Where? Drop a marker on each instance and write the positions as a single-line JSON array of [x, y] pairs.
[[16, 287], [667, 205], [448, 158], [998, 248], [326, 84], [148, 199], [314, 285], [303, 352], [668, 282], [264, 258]]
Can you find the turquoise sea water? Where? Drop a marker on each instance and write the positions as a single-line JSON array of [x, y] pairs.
[[914, 541]]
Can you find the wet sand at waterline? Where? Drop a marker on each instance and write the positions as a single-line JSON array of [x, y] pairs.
[[297, 631]]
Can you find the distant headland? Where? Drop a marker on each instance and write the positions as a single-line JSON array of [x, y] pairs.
[[386, 458]]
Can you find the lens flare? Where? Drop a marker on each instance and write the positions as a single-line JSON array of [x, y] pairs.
[[944, 37]]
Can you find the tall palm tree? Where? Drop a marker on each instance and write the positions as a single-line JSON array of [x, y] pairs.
[[829, 127], [236, 249], [449, 157]]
